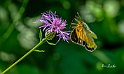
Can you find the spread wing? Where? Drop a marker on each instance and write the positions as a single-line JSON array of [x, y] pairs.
[[89, 37], [76, 37], [89, 43]]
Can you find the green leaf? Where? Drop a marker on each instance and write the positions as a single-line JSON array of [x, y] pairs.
[[39, 50], [40, 35], [50, 43]]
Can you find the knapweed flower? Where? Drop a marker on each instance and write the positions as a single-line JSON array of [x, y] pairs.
[[53, 23]]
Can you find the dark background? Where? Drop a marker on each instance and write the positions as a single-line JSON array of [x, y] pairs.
[[19, 33]]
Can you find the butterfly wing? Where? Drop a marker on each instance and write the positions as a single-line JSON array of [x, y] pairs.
[[89, 43], [75, 37], [89, 37], [84, 39]]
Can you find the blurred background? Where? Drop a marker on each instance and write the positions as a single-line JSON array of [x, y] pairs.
[[19, 33]]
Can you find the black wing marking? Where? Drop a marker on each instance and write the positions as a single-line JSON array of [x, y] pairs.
[[74, 36], [89, 49]]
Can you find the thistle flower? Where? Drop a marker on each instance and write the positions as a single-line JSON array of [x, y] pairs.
[[52, 23]]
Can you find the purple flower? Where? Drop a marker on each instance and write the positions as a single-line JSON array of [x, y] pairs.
[[51, 22]]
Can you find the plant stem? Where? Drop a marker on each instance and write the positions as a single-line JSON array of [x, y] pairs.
[[41, 42]]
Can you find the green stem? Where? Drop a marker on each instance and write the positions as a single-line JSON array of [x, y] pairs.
[[41, 42]]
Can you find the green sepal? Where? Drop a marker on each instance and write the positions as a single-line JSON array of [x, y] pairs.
[[50, 43], [49, 35], [40, 35], [39, 50]]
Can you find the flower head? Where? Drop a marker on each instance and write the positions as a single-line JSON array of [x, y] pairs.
[[52, 23]]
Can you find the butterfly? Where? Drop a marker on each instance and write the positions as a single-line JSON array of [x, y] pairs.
[[82, 35]]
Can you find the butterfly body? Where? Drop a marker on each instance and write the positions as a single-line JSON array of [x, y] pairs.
[[83, 36]]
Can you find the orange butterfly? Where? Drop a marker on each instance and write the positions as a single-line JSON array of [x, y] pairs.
[[82, 35]]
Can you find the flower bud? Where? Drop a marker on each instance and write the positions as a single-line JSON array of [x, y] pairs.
[[49, 35]]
